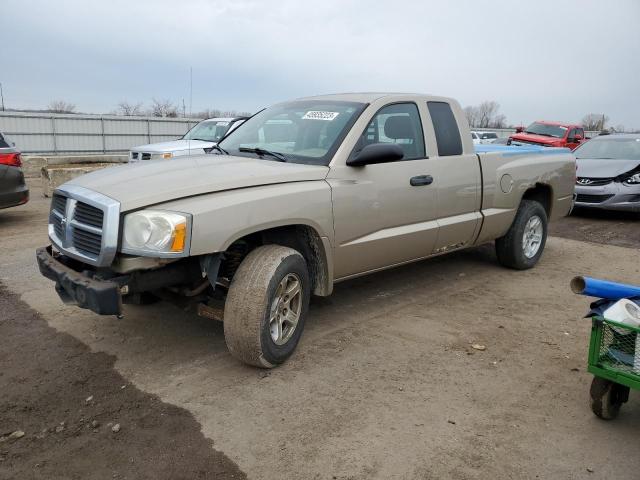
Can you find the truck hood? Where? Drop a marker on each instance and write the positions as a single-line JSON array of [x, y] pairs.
[[173, 146], [541, 139], [596, 168], [151, 182]]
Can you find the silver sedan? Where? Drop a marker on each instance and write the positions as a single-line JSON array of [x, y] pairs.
[[608, 175]]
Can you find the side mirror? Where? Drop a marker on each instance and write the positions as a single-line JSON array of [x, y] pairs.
[[376, 153], [519, 129], [578, 138]]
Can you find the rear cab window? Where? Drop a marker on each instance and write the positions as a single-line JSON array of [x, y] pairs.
[[446, 129], [3, 142]]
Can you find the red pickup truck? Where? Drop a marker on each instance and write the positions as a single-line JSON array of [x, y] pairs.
[[549, 134]]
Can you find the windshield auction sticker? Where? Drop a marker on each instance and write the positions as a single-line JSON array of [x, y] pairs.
[[318, 115]]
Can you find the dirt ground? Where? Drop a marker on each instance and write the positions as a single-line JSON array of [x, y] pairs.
[[599, 226], [68, 401], [385, 383]]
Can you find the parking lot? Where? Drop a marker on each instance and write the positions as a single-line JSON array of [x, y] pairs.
[[385, 383]]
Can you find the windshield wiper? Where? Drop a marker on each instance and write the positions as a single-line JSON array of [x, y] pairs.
[[541, 134], [261, 151], [219, 149]]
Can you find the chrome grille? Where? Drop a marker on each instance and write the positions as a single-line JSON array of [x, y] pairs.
[[87, 242], [145, 156], [58, 205], [83, 224], [134, 155], [88, 215], [582, 198], [593, 182]]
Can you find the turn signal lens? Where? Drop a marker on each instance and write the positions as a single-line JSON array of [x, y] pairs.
[[179, 238]]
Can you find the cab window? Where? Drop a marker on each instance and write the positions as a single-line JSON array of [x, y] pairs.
[[446, 129], [400, 124]]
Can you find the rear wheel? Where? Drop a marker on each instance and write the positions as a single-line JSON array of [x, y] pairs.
[[607, 397], [266, 306], [522, 246]]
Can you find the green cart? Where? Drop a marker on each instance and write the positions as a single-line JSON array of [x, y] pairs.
[[614, 360]]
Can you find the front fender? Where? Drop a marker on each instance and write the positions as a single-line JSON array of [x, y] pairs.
[[221, 218]]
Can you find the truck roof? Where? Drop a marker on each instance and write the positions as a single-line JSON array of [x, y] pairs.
[[364, 97], [559, 124]]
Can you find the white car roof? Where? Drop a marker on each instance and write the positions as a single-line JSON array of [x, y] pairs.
[[220, 119]]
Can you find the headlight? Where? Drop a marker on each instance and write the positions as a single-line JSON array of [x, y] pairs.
[[156, 233], [633, 179]]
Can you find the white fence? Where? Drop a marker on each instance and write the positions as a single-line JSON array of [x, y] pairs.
[[40, 133], [45, 133]]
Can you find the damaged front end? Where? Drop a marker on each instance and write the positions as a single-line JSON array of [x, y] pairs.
[[104, 291]]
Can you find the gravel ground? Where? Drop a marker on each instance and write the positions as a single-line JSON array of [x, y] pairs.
[[385, 383]]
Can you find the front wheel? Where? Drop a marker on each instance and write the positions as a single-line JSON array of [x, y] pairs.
[[522, 246], [266, 306]]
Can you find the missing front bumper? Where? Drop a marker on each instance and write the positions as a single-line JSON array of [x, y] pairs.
[[100, 296]]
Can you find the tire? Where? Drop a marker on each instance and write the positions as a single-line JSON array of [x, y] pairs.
[[607, 397], [511, 249], [257, 303]]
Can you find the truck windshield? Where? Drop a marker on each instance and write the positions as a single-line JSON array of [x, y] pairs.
[[546, 130], [209, 130], [610, 149], [299, 132]]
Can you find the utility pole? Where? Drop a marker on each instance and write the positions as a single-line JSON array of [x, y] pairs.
[[190, 92], [2, 97]]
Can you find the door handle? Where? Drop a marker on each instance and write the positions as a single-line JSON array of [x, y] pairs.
[[421, 180]]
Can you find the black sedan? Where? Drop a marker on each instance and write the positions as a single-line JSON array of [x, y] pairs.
[[13, 190]]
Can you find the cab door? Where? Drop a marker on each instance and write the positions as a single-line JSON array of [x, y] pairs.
[[457, 181], [385, 214]]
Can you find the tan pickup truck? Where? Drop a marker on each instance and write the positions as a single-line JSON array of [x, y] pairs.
[[304, 194]]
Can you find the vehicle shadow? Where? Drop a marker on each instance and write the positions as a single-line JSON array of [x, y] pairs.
[[168, 337], [10, 216], [599, 214]]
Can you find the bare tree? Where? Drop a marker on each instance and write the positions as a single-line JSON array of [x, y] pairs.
[[485, 115], [472, 115], [595, 121], [60, 106], [499, 121], [126, 108], [163, 108], [213, 113]]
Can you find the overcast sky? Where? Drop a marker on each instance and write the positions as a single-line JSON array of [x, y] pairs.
[[554, 60]]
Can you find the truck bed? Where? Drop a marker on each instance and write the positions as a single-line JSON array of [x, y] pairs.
[[509, 171], [519, 150]]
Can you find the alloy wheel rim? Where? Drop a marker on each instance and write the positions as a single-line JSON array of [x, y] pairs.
[[286, 308], [532, 238]]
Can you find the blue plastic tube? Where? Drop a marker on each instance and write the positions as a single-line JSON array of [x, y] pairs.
[[592, 287]]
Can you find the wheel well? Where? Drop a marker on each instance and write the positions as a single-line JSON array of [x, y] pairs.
[[302, 238], [543, 194]]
